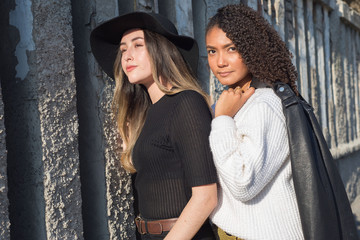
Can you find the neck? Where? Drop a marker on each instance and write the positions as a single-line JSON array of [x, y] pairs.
[[243, 84], [154, 92]]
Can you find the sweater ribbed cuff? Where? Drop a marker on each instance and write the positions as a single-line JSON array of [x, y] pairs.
[[222, 122]]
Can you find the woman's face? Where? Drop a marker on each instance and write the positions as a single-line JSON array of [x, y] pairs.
[[135, 59], [224, 60]]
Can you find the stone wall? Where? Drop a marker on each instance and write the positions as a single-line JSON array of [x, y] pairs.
[[4, 201], [41, 122]]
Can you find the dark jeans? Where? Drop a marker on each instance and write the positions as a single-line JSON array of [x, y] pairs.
[[154, 237]]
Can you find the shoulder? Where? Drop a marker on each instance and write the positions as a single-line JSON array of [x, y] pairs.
[[266, 97], [188, 94], [263, 101], [266, 94], [190, 103], [189, 97]]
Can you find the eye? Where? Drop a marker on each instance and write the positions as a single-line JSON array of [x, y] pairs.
[[232, 49], [138, 43], [122, 50], [211, 52]]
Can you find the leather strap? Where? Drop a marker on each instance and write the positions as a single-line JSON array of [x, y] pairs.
[[154, 227], [256, 83]]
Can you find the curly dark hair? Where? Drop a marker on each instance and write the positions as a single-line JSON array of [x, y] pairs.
[[264, 52]]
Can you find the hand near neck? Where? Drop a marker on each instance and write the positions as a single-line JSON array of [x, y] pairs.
[[232, 100]]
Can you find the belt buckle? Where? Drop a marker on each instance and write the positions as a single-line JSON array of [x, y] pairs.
[[138, 218]]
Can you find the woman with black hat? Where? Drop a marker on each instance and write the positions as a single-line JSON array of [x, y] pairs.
[[164, 120]]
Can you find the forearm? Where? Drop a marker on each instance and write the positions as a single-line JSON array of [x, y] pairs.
[[197, 210], [235, 156]]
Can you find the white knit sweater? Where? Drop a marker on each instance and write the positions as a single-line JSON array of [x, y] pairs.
[[251, 153]]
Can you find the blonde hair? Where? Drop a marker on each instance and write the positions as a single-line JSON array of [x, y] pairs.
[[131, 102]]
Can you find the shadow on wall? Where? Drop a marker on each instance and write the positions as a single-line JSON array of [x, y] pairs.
[[23, 138]]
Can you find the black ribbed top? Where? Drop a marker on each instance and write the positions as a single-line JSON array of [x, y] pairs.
[[172, 154]]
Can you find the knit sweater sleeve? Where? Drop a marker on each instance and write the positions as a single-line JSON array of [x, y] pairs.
[[249, 149]]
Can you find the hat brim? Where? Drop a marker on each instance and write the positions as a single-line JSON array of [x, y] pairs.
[[105, 38]]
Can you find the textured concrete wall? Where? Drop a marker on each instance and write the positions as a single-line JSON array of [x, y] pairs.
[[349, 168], [54, 59], [119, 190], [39, 92], [4, 202], [23, 138], [345, 32], [106, 187], [90, 94]]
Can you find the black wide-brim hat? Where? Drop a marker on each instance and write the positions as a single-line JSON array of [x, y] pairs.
[[105, 38]]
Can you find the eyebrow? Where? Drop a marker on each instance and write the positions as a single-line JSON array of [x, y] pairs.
[[134, 39], [225, 46]]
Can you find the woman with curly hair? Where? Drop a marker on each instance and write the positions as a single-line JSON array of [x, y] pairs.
[[276, 174], [249, 141]]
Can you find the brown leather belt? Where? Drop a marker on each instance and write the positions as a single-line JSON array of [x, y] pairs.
[[154, 227]]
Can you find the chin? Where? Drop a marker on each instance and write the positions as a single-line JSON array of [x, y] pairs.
[[227, 83]]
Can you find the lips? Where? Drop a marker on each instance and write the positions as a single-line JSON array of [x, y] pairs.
[[224, 74], [130, 68]]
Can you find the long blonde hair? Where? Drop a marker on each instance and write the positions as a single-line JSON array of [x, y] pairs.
[[131, 102]]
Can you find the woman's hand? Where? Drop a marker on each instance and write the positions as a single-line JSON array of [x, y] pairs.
[[231, 101]]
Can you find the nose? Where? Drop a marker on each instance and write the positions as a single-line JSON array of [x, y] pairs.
[[221, 61], [128, 55]]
